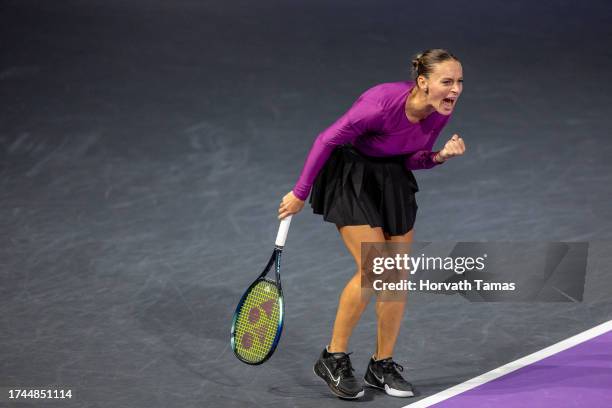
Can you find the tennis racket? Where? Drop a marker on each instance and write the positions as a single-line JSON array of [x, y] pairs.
[[258, 319]]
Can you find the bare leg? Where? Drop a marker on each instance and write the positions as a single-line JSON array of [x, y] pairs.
[[352, 303], [390, 314]]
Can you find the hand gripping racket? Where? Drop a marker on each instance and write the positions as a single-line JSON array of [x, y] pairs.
[[258, 319]]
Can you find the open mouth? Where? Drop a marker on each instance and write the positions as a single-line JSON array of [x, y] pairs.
[[448, 102]]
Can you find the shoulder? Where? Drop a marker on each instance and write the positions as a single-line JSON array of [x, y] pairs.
[[375, 102], [387, 95], [386, 91]]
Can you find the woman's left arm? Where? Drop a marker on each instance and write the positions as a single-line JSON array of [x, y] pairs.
[[426, 159]]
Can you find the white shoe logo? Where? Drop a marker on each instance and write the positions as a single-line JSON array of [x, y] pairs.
[[381, 379], [336, 380]]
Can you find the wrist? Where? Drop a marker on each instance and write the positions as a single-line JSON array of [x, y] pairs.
[[439, 158], [298, 196]]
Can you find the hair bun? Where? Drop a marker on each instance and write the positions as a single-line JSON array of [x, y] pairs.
[[416, 61]]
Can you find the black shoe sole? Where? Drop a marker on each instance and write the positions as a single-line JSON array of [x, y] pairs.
[[336, 392]]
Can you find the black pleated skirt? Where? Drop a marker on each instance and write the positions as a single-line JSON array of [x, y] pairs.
[[355, 189]]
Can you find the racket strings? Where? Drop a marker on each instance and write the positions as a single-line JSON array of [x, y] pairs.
[[257, 322]]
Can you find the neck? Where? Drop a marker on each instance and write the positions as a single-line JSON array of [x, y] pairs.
[[417, 107]]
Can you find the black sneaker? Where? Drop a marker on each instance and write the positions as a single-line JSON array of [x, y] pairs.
[[385, 374], [336, 370]]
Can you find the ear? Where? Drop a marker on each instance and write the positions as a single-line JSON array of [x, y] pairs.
[[422, 82]]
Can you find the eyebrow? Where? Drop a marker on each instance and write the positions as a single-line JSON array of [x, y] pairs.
[[444, 79]]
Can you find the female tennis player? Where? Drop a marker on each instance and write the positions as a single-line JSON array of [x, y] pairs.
[[359, 171]]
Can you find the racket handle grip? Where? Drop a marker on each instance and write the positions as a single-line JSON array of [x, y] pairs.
[[283, 229]]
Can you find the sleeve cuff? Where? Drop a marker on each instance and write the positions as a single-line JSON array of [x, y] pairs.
[[302, 194], [433, 158]]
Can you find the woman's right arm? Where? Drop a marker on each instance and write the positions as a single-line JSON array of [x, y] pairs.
[[364, 116]]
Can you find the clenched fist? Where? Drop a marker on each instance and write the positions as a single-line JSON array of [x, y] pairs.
[[454, 147], [289, 205]]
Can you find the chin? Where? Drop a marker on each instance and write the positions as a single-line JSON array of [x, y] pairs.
[[444, 112]]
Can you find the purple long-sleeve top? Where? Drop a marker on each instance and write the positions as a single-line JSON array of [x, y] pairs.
[[376, 125]]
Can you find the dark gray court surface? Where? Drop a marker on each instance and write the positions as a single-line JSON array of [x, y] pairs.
[[145, 146]]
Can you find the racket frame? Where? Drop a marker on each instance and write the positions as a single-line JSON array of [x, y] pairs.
[[274, 259]]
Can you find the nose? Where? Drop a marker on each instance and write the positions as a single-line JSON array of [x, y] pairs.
[[456, 89]]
